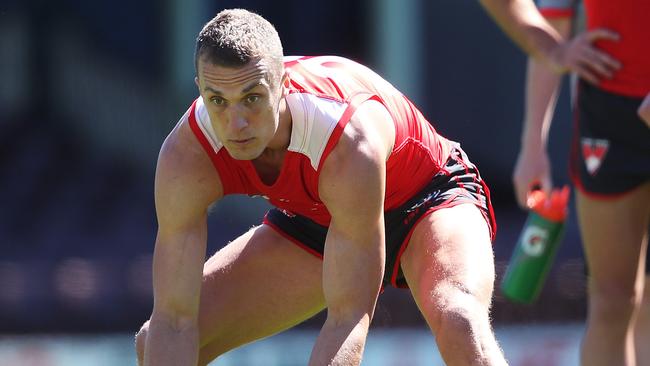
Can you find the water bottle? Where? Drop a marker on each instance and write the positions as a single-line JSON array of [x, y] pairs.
[[536, 247]]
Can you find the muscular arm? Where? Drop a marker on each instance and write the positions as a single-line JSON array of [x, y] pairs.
[[352, 185], [183, 192]]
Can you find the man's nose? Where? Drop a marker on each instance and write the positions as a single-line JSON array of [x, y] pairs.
[[237, 118]]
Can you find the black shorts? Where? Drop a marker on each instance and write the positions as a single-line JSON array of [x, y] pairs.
[[459, 182], [610, 152]]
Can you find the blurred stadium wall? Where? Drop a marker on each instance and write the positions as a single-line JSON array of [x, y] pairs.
[[89, 90]]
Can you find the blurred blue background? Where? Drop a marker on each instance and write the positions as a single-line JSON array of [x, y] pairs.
[[89, 89]]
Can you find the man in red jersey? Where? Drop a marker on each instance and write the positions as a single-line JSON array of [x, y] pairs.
[[610, 166], [367, 194]]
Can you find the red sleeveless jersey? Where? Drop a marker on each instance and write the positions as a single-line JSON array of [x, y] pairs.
[[631, 20], [628, 18], [324, 92]]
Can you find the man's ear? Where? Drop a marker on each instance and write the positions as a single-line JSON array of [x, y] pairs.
[[196, 81]]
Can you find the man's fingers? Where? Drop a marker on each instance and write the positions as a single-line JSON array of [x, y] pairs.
[[602, 33], [585, 73], [546, 185], [591, 58], [599, 62], [522, 195], [607, 60], [521, 190]]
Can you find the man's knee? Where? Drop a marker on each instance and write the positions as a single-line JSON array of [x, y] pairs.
[[457, 322], [140, 340], [613, 302], [454, 308]]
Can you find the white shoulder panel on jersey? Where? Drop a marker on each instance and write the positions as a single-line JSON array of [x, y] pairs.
[[290, 58], [203, 121], [313, 121]]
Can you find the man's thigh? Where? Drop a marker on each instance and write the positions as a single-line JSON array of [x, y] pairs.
[[612, 233], [450, 252], [256, 286]]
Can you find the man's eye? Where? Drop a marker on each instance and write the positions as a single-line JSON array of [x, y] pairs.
[[217, 101], [252, 99]]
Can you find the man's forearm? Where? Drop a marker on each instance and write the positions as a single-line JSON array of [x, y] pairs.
[[340, 344], [541, 96], [542, 87], [523, 23], [168, 346]]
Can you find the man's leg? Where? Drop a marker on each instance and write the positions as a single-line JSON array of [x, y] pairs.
[[256, 286], [449, 266], [612, 235], [642, 327]]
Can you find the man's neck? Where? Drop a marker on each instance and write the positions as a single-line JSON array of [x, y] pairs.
[[273, 155]]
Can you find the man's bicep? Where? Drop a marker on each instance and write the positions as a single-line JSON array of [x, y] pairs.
[[352, 182], [186, 184]]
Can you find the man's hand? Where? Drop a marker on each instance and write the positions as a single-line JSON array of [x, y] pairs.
[[644, 110], [532, 168], [581, 56]]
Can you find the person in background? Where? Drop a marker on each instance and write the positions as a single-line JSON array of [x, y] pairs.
[[609, 165]]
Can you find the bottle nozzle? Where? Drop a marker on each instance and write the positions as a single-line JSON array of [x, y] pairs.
[[553, 207]]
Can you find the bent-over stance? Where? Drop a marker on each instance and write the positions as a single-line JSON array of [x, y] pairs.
[[366, 195]]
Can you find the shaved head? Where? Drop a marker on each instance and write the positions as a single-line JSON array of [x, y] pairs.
[[235, 37]]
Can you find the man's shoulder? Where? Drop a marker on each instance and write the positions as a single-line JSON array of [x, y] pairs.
[[315, 120], [317, 60], [321, 71], [184, 166], [180, 141], [181, 152]]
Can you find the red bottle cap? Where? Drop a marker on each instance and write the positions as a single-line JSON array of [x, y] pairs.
[[552, 208]]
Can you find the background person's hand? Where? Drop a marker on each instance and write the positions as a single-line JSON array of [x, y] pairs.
[[581, 56], [644, 110], [532, 169]]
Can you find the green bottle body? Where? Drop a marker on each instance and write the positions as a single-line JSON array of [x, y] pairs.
[[532, 258]]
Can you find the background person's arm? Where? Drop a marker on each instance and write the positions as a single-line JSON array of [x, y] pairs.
[[542, 87], [524, 24], [352, 185], [183, 192]]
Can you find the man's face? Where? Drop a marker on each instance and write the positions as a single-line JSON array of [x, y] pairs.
[[242, 105]]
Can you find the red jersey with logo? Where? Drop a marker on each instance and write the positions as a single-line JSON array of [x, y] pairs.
[[323, 93], [628, 18]]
